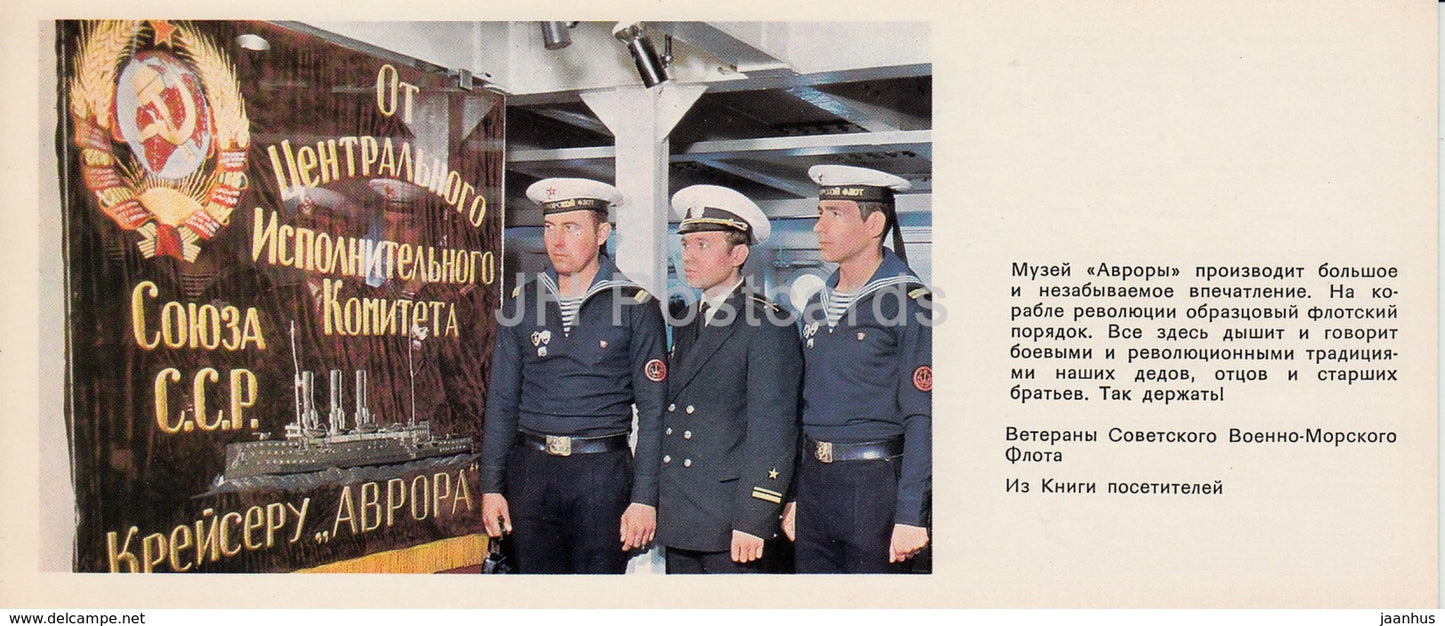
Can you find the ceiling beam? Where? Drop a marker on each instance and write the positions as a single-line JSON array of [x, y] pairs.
[[769, 80], [531, 155], [597, 170], [721, 44], [795, 188], [918, 141], [572, 118], [874, 118], [807, 207]]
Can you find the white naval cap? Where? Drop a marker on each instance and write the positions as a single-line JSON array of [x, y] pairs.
[[710, 207], [395, 191], [559, 195], [846, 182]]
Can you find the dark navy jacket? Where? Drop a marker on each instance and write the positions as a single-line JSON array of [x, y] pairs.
[[730, 429], [870, 376], [581, 382]]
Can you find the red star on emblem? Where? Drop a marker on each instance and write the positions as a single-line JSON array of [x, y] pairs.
[[164, 31]]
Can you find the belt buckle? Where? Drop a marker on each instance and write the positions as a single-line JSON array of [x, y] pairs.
[[559, 446], [823, 451]]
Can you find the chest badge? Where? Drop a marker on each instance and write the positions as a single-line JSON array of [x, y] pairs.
[[860, 336], [808, 332], [602, 343]]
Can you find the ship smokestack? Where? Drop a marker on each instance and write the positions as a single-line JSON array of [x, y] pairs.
[[308, 411], [338, 415], [363, 414]]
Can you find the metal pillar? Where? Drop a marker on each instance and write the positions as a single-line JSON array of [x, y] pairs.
[[641, 119]]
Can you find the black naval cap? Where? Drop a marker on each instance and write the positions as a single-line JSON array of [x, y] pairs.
[[861, 184]]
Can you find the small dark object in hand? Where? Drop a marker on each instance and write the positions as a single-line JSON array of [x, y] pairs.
[[496, 562]]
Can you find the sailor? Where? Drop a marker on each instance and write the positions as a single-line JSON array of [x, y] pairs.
[[730, 428], [577, 347], [865, 470]]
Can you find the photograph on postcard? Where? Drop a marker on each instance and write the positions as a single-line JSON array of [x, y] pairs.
[[639, 296]]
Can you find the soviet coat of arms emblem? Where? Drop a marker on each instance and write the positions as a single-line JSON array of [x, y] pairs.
[[162, 132]]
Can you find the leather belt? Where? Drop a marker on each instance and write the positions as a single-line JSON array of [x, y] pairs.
[[560, 445], [829, 452]]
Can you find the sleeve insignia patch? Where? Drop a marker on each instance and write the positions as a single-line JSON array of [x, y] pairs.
[[655, 370], [923, 378]]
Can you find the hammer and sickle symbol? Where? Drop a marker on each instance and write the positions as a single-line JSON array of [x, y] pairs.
[[150, 90]]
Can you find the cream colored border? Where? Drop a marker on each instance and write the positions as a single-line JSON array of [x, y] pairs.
[[1059, 134]]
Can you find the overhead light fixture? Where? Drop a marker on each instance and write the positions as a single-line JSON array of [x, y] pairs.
[[249, 41], [649, 66], [555, 35], [463, 78]]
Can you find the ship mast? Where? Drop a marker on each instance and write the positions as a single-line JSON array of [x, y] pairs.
[[295, 379], [413, 342]]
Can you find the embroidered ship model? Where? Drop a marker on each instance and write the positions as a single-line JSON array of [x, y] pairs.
[[310, 446]]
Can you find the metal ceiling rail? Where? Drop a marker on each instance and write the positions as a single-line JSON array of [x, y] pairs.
[[802, 189], [866, 115], [772, 79], [807, 207], [918, 141], [720, 43], [575, 119], [562, 155]]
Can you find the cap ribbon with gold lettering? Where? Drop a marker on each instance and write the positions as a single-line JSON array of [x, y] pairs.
[[560, 195]]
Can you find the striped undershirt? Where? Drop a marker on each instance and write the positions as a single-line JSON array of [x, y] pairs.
[[838, 303], [569, 310]]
